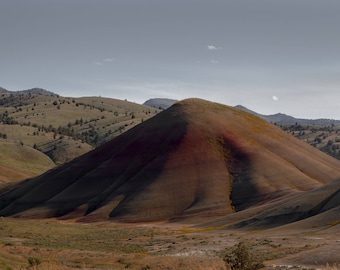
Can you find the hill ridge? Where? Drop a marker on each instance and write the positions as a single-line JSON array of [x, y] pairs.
[[196, 160], [35, 90], [281, 118]]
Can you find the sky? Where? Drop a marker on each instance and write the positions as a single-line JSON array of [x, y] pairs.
[[268, 55]]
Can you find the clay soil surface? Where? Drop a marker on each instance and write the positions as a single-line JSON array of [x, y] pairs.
[[54, 244]]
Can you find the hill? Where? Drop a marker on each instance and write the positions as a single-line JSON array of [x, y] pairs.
[[320, 133], [64, 128], [18, 162], [35, 91], [306, 211], [3, 90], [31, 91], [160, 103], [195, 161], [284, 119]]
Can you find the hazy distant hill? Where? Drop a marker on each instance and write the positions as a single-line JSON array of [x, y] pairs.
[[160, 103], [281, 118], [278, 118], [3, 90], [38, 91]]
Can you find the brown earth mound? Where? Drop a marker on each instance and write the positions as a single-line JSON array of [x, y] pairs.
[[313, 209], [195, 160]]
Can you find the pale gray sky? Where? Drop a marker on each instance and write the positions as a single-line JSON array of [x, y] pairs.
[[268, 55]]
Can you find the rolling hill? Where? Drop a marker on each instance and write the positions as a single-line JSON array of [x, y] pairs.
[[32, 91], [281, 118], [62, 128], [160, 103], [19, 162], [3, 90], [195, 161], [320, 133]]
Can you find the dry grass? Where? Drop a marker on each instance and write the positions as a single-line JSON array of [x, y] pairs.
[[32, 244], [107, 117], [18, 162], [54, 245]]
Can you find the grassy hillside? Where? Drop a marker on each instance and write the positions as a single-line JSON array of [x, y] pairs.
[[64, 128], [18, 162], [324, 138]]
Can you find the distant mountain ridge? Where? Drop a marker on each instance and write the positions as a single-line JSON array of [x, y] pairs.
[[3, 90], [160, 103], [280, 118], [165, 103], [36, 90]]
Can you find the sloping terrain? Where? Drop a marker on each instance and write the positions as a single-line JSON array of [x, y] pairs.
[[93, 120], [196, 160], [18, 162], [60, 128], [314, 210], [324, 138], [320, 133], [284, 119], [3, 90], [160, 103], [318, 208]]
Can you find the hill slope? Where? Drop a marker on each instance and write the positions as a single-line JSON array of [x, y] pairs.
[[18, 162], [306, 211], [280, 118], [160, 103], [31, 91], [320, 133], [197, 159], [63, 128]]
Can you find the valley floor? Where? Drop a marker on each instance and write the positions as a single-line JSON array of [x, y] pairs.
[[55, 244]]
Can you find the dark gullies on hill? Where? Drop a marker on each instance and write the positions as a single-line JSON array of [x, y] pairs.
[[196, 161], [317, 209]]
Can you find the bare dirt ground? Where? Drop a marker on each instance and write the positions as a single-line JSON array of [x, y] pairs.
[[27, 244]]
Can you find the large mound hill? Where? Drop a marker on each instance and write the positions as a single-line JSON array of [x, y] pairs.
[[197, 159]]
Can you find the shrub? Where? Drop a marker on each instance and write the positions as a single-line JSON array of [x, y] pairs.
[[33, 261], [240, 257]]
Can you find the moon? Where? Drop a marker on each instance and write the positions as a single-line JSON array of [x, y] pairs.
[[275, 98]]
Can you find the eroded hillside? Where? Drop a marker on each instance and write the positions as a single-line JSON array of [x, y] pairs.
[[194, 161]]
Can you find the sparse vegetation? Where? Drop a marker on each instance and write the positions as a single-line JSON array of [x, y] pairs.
[[64, 128], [241, 257], [325, 138], [33, 261], [56, 245]]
